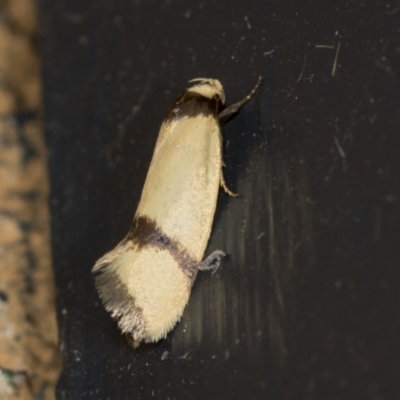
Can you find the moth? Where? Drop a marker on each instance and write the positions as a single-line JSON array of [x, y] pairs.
[[145, 282]]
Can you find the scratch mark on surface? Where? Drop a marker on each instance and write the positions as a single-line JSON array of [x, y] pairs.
[[268, 53], [135, 109], [300, 76], [324, 46], [186, 355], [302, 71], [372, 75], [336, 59], [339, 147], [394, 11], [240, 41], [260, 235], [247, 22], [386, 68]]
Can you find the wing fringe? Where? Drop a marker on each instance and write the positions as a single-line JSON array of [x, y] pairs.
[[116, 298]]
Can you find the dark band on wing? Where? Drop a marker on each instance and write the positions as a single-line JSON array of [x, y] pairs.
[[190, 104], [117, 300], [145, 233]]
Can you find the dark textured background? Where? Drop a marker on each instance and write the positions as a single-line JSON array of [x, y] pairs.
[[307, 304]]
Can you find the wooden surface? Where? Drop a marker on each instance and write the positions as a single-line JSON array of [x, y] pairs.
[[306, 306], [29, 356]]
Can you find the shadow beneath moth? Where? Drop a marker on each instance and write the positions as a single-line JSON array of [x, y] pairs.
[[145, 282]]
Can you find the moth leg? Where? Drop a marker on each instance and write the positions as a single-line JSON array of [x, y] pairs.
[[234, 108], [212, 262], [225, 187]]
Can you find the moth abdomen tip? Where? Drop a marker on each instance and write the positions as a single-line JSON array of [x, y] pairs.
[[116, 297]]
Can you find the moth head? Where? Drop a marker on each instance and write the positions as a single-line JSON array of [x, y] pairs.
[[210, 88]]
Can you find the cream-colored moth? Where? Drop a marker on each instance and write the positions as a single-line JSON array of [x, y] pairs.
[[145, 282]]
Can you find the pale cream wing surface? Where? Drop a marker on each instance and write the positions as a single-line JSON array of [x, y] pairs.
[[181, 188], [161, 296]]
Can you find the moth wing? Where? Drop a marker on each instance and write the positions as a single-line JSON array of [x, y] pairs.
[[181, 188], [144, 285]]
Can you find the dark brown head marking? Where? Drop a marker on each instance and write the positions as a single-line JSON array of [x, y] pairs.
[[190, 104]]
